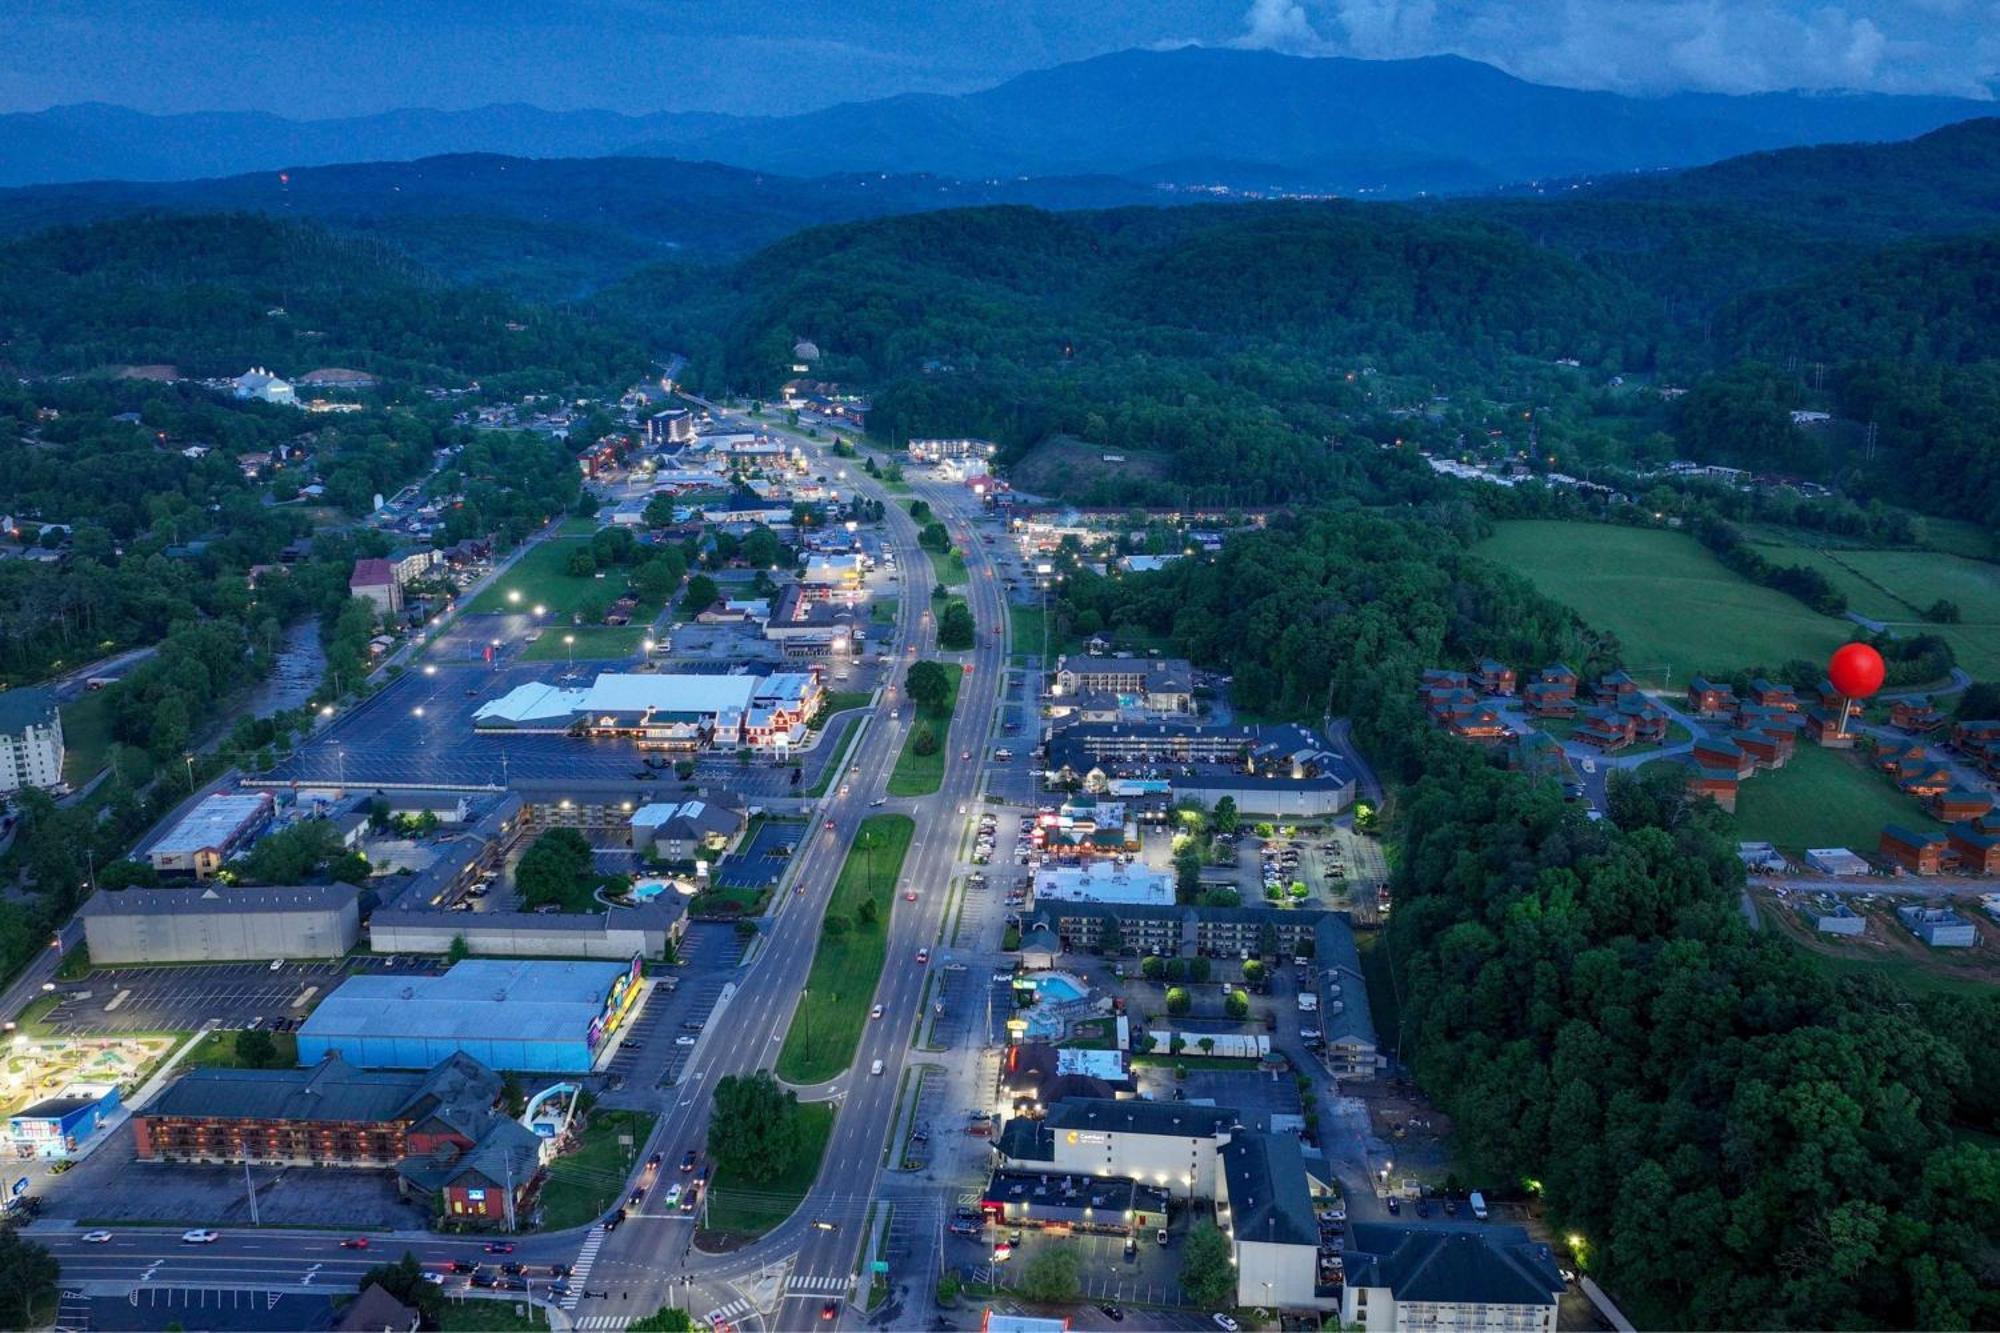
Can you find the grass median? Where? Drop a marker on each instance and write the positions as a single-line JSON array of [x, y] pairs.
[[751, 1210], [833, 1011], [921, 774]]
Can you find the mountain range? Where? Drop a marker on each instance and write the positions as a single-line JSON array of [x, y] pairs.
[[1193, 117]]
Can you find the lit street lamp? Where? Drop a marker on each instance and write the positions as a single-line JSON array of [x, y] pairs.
[[569, 645]]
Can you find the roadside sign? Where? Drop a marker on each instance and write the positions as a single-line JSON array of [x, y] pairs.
[[20, 1186], [879, 1266]]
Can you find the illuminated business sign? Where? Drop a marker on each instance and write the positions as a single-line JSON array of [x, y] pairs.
[[618, 1001], [1078, 1136]]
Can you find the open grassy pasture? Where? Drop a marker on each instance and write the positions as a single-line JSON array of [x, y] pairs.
[[1671, 604], [1823, 798], [1897, 586]]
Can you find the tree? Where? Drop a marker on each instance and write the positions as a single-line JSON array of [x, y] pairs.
[[933, 536], [754, 1131], [582, 564], [1207, 1045], [404, 1279], [1187, 872], [1236, 1004], [1152, 967], [955, 627], [700, 595], [867, 914], [929, 684], [551, 870], [1111, 939], [1207, 1275], [666, 1319], [1254, 971], [1224, 816], [1053, 1276], [1200, 969], [656, 580], [1178, 1001], [659, 511], [256, 1049], [923, 740], [459, 950], [761, 548]]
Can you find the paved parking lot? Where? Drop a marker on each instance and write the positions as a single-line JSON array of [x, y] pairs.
[[1260, 1095], [650, 1055], [186, 999], [1146, 1273], [218, 1308], [761, 860]]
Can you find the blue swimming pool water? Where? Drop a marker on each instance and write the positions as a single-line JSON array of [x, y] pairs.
[[1058, 990]]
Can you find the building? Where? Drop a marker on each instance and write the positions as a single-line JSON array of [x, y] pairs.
[[1103, 882], [1710, 698], [57, 1126], [1839, 919], [213, 923], [336, 377], [1264, 1205], [262, 385], [1770, 694], [1827, 728], [1939, 927], [1960, 804], [1172, 1145], [669, 711], [1448, 1277], [1718, 784], [31, 740], [1284, 771], [376, 1311], [410, 563], [615, 933], [679, 830], [1915, 714], [1154, 684], [798, 618], [834, 575], [1916, 853], [1835, 861], [1496, 677], [674, 426], [937, 451], [375, 581], [1101, 1205], [1347, 1044], [506, 1014], [219, 826], [1977, 853], [1552, 693]]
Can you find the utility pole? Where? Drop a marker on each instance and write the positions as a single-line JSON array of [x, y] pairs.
[[250, 1188]]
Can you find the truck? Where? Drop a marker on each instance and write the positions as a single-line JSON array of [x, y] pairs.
[[1308, 1002]]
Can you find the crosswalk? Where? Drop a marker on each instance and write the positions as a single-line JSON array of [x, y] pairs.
[[580, 1270], [602, 1321], [831, 1284], [730, 1313]]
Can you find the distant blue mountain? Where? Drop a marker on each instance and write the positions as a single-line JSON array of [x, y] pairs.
[[1189, 117]]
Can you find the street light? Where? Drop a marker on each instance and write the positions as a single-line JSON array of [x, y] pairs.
[[514, 596], [569, 644]]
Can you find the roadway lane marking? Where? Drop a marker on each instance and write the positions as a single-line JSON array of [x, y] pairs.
[[117, 1000]]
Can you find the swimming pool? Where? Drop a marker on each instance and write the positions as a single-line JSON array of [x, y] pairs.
[[1058, 990]]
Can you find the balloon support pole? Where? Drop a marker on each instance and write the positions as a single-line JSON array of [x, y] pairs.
[[1846, 710]]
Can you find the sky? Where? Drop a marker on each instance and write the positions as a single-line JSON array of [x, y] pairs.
[[350, 57]]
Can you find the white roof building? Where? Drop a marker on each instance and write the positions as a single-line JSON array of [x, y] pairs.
[[1105, 882]]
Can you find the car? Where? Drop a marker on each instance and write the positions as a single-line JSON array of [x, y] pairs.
[[1225, 1323], [829, 826], [658, 1157], [512, 1268], [673, 1195], [463, 1266], [558, 1270], [822, 1224], [1113, 1313], [831, 1310], [1161, 1236], [355, 1243], [923, 955], [684, 1040], [62, 1164], [876, 1012], [1423, 1208], [200, 1237], [277, 964], [631, 1045], [1395, 1205], [910, 897], [879, 800], [435, 1279], [96, 1237], [638, 1197], [481, 1278], [613, 1222], [499, 1247], [1002, 1252], [687, 1160]]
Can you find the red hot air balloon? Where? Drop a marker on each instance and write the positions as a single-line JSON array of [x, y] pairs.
[[1856, 670]]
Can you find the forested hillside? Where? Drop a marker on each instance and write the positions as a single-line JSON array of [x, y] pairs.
[[214, 295]]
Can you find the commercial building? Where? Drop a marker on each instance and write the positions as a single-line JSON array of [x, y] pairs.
[[668, 711], [31, 740], [937, 451], [1445, 1277], [1287, 771], [214, 923], [442, 1130], [506, 1014], [1106, 1205], [1174, 1145], [615, 933], [375, 581], [218, 827], [57, 1126], [1153, 684], [804, 625], [1103, 882], [679, 830], [1264, 1204]]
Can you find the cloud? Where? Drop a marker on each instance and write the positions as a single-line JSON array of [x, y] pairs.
[[1280, 25]]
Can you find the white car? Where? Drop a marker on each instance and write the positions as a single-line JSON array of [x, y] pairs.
[[96, 1237], [435, 1279], [200, 1237], [684, 1040], [1225, 1323], [876, 1012]]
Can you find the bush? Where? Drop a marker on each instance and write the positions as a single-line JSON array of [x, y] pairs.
[[1236, 1004], [1178, 1001], [1153, 967]]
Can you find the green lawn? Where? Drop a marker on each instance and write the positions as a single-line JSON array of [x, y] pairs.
[[1898, 586], [218, 1051], [1910, 973], [753, 1209], [1960, 538], [1823, 798], [921, 774], [585, 1183], [476, 1315], [594, 643], [883, 610], [86, 729], [839, 701], [832, 1012], [1671, 604], [1030, 628], [542, 578]]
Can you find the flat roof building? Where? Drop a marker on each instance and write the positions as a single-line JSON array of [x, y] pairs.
[[669, 711], [219, 825], [1104, 882], [506, 1014], [31, 740], [191, 925]]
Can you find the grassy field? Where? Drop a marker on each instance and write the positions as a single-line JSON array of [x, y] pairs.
[[594, 643], [86, 729], [825, 779], [839, 701], [475, 1315], [542, 578], [1030, 628], [1959, 538], [1671, 603], [846, 967], [753, 1210], [587, 1182], [921, 774], [1823, 798], [1897, 586], [882, 611], [218, 1051]]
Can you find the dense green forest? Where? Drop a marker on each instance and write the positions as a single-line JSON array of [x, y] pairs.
[[217, 294]]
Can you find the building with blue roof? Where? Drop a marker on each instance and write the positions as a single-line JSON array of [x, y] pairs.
[[543, 1016]]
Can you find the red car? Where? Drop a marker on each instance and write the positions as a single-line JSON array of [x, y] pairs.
[[355, 1243]]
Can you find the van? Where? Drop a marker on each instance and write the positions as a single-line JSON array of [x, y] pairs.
[[875, 1068], [1478, 1202]]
